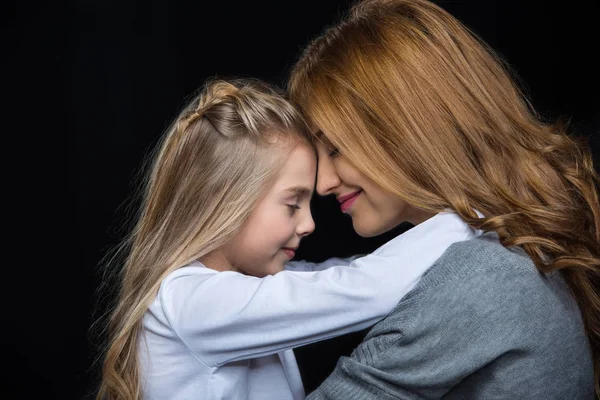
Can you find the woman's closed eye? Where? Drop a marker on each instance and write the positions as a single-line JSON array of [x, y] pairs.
[[334, 152]]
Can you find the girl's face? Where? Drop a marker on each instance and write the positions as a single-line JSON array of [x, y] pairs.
[[272, 233], [373, 210]]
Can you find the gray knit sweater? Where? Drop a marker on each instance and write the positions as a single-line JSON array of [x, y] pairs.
[[482, 323]]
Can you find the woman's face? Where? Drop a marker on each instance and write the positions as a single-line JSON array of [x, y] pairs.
[[373, 210]]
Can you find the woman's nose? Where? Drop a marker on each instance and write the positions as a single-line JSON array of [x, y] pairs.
[[327, 177]]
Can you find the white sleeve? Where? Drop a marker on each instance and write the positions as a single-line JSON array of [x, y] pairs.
[[302, 265], [228, 316]]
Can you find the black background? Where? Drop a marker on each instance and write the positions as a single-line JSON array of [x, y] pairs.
[[89, 87]]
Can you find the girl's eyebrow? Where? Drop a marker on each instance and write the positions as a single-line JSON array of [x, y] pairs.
[[300, 191]]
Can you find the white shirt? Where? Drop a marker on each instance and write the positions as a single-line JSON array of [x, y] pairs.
[[224, 335]]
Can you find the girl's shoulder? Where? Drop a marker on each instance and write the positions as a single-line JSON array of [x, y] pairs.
[[193, 273]]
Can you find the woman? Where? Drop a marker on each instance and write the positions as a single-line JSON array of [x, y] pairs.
[[415, 115]]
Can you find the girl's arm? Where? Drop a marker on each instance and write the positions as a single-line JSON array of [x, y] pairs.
[[228, 316], [302, 265]]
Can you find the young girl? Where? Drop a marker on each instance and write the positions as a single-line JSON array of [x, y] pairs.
[[204, 311], [416, 113]]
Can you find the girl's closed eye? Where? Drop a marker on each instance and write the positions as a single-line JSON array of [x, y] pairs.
[[293, 208], [334, 152]]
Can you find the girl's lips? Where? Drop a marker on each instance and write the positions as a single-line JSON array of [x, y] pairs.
[[289, 252], [347, 200]]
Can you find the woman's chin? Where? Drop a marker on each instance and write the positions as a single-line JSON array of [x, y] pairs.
[[369, 229], [364, 230]]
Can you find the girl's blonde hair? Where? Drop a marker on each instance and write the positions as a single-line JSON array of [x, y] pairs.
[[426, 109], [213, 165]]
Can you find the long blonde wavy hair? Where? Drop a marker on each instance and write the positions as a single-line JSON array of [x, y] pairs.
[[213, 165], [428, 111]]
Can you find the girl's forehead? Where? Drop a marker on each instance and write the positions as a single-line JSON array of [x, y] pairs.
[[298, 171]]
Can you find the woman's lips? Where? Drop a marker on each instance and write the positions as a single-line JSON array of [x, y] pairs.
[[346, 201]]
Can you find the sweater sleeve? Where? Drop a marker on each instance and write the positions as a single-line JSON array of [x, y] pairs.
[[227, 316], [485, 334]]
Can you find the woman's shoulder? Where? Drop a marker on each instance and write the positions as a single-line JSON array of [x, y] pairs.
[[483, 316], [483, 304], [481, 280], [483, 265], [481, 255]]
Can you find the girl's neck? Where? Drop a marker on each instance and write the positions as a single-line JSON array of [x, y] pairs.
[[218, 261]]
